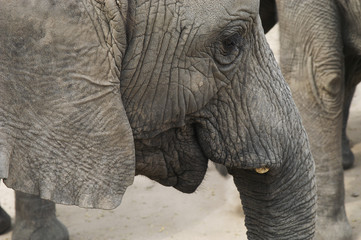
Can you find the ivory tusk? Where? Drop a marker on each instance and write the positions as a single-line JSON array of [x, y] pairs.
[[262, 170]]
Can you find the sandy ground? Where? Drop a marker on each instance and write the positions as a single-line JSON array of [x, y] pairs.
[[151, 211]]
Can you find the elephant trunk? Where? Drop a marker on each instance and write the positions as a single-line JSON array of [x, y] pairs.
[[280, 204]]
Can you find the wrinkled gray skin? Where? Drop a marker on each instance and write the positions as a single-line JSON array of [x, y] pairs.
[[321, 61], [197, 81]]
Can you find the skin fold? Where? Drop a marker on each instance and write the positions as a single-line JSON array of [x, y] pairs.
[[108, 89], [321, 61]]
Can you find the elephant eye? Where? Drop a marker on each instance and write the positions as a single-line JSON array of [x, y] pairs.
[[228, 49], [229, 44]]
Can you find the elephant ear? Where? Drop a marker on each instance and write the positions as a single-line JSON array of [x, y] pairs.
[[64, 134]]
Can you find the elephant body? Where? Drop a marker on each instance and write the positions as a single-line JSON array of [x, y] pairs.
[[94, 92], [320, 57]]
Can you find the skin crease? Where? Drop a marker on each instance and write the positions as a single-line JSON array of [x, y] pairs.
[[197, 81], [321, 60]]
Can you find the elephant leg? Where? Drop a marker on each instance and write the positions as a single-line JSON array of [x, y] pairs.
[[36, 220], [353, 77], [332, 221], [347, 156], [5, 221]]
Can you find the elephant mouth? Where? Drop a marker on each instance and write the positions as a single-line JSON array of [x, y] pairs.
[[172, 158]]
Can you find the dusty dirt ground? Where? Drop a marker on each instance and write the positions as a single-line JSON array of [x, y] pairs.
[[151, 211]]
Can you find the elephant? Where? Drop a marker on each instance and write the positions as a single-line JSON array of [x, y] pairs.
[[320, 58], [94, 92]]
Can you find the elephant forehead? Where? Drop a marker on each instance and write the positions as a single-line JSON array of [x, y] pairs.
[[168, 70], [207, 12]]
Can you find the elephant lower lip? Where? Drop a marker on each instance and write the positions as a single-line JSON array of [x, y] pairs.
[[186, 189], [173, 158], [169, 182], [180, 183]]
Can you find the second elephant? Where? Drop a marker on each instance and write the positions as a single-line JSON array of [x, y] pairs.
[[320, 57]]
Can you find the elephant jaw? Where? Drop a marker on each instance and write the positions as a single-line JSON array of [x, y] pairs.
[[179, 157], [172, 158]]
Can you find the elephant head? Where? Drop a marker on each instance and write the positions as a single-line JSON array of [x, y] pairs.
[[94, 92]]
